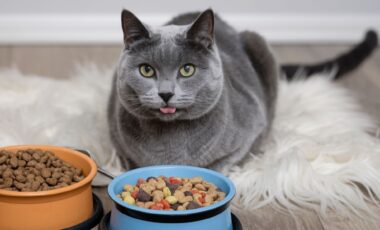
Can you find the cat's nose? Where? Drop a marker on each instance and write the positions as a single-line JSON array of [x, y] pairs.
[[166, 96]]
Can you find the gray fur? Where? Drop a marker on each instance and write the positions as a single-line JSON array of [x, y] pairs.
[[223, 110]]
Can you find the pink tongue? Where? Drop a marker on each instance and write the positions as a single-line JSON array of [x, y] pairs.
[[167, 110]]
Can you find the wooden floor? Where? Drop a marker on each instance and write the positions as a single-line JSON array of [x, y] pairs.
[[59, 61]]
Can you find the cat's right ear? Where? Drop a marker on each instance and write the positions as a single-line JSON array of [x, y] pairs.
[[133, 28]]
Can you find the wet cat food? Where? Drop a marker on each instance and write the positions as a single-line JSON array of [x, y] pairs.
[[171, 193], [35, 170]]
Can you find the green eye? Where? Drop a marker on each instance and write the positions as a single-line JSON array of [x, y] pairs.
[[146, 70], [187, 70]]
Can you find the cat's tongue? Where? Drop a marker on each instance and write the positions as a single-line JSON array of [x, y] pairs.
[[167, 110]]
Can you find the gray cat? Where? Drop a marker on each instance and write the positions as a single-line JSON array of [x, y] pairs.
[[194, 92]]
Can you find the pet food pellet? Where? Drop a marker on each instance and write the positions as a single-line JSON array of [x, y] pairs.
[[26, 157], [13, 162], [148, 204], [186, 199], [142, 195], [196, 180], [51, 181], [188, 193], [129, 200], [172, 193], [180, 208], [128, 188], [45, 173], [166, 191], [35, 170], [178, 194], [193, 205], [21, 178], [171, 199], [200, 187]]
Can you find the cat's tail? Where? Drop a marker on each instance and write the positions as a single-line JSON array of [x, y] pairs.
[[338, 66]]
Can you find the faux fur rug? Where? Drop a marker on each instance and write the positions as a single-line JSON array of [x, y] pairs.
[[322, 153]]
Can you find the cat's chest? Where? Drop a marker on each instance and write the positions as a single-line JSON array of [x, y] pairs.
[[176, 138], [199, 142]]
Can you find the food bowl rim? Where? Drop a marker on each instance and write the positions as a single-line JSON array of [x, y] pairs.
[[227, 199]]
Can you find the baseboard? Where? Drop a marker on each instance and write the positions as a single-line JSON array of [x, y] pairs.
[[277, 28]]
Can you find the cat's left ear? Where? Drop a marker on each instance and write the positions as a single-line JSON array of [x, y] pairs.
[[133, 28], [202, 29]]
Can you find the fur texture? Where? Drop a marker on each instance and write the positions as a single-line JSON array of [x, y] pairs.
[[318, 156], [222, 111], [301, 169]]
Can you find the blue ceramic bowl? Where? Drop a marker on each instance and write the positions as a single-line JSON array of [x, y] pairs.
[[129, 217]]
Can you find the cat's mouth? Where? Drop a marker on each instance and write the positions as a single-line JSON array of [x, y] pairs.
[[168, 110]]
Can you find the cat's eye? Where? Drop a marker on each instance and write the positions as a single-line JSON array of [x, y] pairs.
[[146, 70], [187, 70]]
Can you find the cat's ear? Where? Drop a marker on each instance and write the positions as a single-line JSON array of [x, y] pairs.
[[202, 29], [133, 28]]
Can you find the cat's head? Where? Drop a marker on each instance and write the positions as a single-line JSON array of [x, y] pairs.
[[170, 72]]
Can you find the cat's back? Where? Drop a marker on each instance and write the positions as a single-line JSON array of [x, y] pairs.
[[226, 37]]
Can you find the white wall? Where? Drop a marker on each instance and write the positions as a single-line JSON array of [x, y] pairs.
[[83, 21], [176, 6]]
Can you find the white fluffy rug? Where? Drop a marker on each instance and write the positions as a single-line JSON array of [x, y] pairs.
[[319, 155]]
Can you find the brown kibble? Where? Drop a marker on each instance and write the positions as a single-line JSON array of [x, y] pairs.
[[13, 162], [77, 178], [21, 163], [49, 154], [21, 179], [56, 175], [65, 179], [78, 171], [40, 179], [28, 185], [18, 172], [67, 165], [31, 163], [26, 157], [30, 151], [57, 163], [40, 165], [35, 185], [3, 158], [19, 185], [30, 177], [51, 181], [36, 156], [8, 182], [7, 173], [61, 185], [69, 173], [45, 173], [44, 159], [35, 170]]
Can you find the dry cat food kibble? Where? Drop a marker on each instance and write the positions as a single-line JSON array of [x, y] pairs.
[[35, 170], [171, 193]]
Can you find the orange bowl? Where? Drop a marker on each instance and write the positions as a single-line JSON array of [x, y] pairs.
[[53, 209]]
